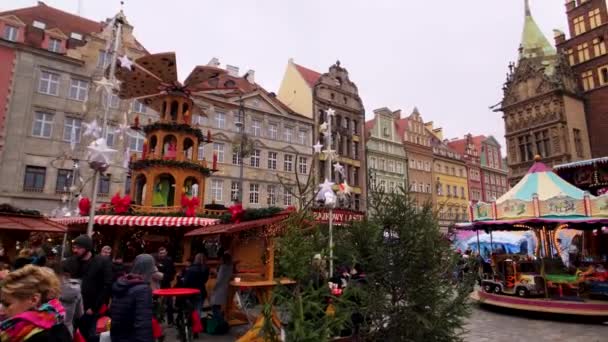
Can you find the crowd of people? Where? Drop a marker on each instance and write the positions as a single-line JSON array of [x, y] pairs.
[[43, 303]]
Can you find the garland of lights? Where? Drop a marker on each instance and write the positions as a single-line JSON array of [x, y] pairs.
[[175, 127], [146, 163]]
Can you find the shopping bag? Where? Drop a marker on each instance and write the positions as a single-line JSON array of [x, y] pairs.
[[157, 330], [197, 327], [78, 337]]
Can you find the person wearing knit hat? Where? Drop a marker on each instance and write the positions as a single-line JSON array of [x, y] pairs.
[[95, 273], [132, 309]]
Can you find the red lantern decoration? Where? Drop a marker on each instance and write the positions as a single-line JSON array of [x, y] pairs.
[[120, 204], [190, 205], [237, 212], [84, 206]]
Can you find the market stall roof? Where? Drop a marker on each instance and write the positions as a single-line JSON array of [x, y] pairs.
[[140, 221], [541, 180], [30, 223], [581, 163], [230, 228]]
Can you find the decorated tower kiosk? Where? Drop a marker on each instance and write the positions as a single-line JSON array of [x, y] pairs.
[[168, 177]]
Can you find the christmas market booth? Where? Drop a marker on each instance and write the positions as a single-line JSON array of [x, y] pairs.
[[548, 267], [26, 228]]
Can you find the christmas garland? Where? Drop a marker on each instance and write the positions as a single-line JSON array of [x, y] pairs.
[[249, 215], [146, 163], [9, 209], [175, 127]]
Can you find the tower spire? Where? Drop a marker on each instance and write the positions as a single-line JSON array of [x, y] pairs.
[[533, 41], [527, 6]]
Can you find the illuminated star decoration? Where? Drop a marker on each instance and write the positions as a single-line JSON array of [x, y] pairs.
[[92, 129], [126, 63], [104, 84], [323, 127], [345, 189], [330, 112], [330, 154], [317, 147], [326, 188], [339, 168], [100, 154], [123, 128]]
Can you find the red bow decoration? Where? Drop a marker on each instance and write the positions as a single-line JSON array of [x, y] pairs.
[[190, 205], [84, 206], [121, 205], [237, 212]]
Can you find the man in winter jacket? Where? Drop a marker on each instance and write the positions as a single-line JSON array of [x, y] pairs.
[[95, 273], [165, 265]]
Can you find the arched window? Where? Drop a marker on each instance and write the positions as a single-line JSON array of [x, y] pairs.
[[163, 194]]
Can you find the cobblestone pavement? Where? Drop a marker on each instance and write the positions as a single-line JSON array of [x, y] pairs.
[[498, 325]]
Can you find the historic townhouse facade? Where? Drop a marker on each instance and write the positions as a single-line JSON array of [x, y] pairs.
[[542, 106], [418, 148], [386, 157], [469, 148], [53, 58], [311, 93], [279, 141], [587, 55]]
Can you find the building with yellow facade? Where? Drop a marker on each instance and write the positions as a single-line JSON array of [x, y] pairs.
[[451, 196]]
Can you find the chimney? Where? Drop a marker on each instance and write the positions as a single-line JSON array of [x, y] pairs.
[[214, 62], [232, 70], [250, 76], [559, 36]]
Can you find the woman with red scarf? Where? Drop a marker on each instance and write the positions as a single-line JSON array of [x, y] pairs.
[[30, 308]]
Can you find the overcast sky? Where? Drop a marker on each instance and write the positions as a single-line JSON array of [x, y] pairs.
[[448, 59]]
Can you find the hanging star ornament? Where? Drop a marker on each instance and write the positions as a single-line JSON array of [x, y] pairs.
[[317, 147], [330, 112], [92, 129], [100, 154], [324, 188], [345, 189], [330, 199], [123, 128], [339, 168], [104, 84], [323, 128], [330, 154], [126, 63]]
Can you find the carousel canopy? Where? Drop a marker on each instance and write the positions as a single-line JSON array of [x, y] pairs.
[[141, 221], [541, 180]]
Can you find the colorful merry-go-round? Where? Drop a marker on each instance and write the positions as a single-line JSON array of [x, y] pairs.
[[533, 249]]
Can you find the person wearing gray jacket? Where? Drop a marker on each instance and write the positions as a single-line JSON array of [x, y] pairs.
[[71, 297], [219, 297]]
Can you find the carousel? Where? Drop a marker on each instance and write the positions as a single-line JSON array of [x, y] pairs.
[[543, 263]]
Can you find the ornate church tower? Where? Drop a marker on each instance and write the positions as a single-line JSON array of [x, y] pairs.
[[542, 106]]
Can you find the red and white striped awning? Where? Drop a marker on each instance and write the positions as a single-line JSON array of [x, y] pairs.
[[140, 221]]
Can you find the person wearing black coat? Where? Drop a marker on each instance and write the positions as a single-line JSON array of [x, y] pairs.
[[95, 272], [132, 309], [166, 266], [196, 277]]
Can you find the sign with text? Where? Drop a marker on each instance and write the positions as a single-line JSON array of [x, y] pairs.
[[340, 216]]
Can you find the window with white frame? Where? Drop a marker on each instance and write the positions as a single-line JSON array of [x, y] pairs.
[[428, 188], [254, 193], [254, 160], [272, 160], [272, 194], [382, 186], [10, 33], [43, 125], [55, 45], [113, 100], [427, 166], [303, 165], [439, 187], [79, 90], [381, 164], [136, 143], [217, 187], [420, 165], [288, 163], [287, 199], [139, 107], [49, 83], [391, 186], [391, 166], [220, 120], [288, 134], [372, 162], [302, 137], [71, 129], [234, 191], [413, 187], [201, 152], [218, 149], [110, 136], [462, 192], [256, 128], [273, 131], [104, 59], [236, 158], [399, 167], [412, 164]]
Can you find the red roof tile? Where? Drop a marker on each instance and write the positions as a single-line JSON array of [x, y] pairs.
[[310, 76], [231, 228], [461, 144], [53, 18], [368, 127]]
